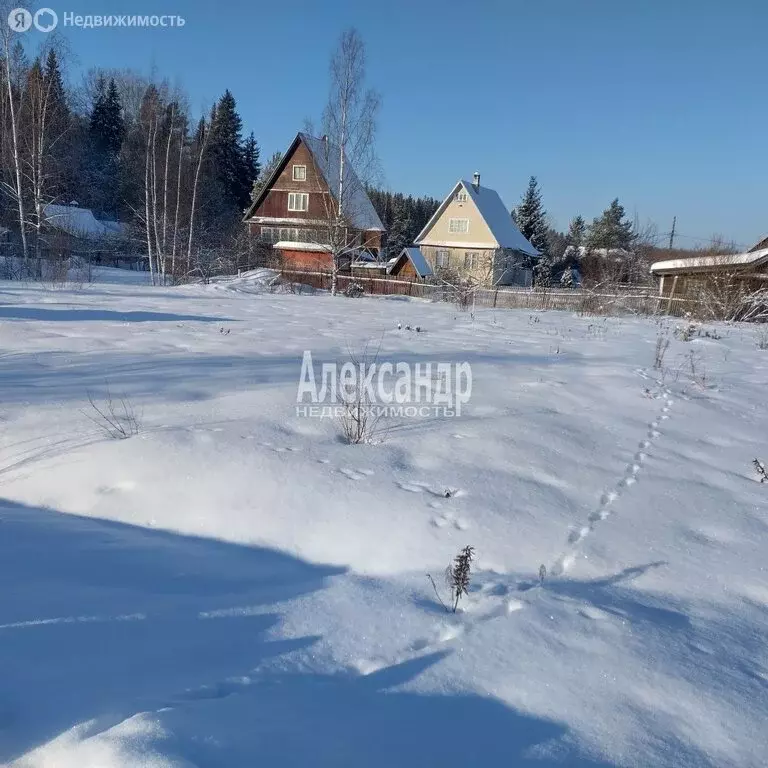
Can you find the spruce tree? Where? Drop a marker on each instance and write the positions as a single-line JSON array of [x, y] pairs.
[[106, 124], [577, 231], [530, 217], [611, 230], [227, 154], [106, 133], [251, 155], [399, 235]]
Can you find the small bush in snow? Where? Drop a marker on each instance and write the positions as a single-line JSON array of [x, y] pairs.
[[542, 573], [762, 338], [359, 418], [353, 290], [762, 473], [458, 575], [687, 332], [116, 418]]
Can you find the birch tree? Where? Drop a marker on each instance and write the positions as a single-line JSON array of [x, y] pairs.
[[349, 122], [14, 88]]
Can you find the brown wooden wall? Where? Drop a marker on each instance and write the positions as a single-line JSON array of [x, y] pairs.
[[275, 203]]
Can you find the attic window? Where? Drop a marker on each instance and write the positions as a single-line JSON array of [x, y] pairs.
[[461, 197], [458, 226], [298, 201], [299, 172]]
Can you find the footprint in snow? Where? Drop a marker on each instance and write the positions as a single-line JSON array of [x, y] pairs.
[[446, 519], [355, 474]]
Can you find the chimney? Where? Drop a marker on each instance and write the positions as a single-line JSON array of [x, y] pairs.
[[476, 181]]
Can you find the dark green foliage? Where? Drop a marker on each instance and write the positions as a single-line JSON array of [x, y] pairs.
[[229, 167], [403, 217], [611, 230]]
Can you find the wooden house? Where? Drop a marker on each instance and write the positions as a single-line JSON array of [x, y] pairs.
[[297, 210], [472, 236]]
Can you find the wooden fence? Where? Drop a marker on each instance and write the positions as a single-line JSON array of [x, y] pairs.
[[578, 300]]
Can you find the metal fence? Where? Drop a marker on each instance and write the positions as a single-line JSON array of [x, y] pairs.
[[583, 301]]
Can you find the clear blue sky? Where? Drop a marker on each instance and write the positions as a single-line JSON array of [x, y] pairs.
[[661, 103]]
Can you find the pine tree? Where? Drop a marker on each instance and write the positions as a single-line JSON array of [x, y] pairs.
[[611, 230]]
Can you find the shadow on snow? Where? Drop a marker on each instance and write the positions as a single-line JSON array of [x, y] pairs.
[[100, 621]]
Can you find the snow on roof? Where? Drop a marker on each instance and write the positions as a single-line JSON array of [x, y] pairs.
[[495, 214], [752, 258], [357, 206], [77, 221], [416, 257], [498, 218], [291, 245]]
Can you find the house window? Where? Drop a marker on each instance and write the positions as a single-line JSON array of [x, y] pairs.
[[299, 172], [471, 260], [458, 225], [298, 201], [270, 234], [461, 197], [441, 259]]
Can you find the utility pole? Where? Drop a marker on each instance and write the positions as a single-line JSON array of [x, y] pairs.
[[672, 233]]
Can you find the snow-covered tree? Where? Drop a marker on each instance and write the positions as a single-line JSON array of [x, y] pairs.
[[530, 217], [531, 220], [577, 231]]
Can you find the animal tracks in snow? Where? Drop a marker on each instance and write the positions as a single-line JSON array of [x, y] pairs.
[[604, 509], [447, 519]]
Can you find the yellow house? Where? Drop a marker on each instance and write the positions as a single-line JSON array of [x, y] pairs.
[[472, 236]]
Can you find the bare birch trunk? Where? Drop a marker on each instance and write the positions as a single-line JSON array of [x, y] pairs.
[[194, 197], [178, 201], [19, 191]]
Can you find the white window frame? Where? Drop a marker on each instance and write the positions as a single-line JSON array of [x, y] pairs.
[[303, 175], [455, 226], [461, 196], [442, 258], [298, 201], [471, 259]]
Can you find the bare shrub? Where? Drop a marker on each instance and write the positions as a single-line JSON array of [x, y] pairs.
[[692, 367], [762, 473], [116, 418], [359, 417], [762, 338], [662, 345]]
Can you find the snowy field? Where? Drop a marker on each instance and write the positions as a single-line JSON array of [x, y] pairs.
[[235, 586]]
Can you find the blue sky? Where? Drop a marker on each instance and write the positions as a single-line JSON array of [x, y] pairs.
[[661, 103]]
